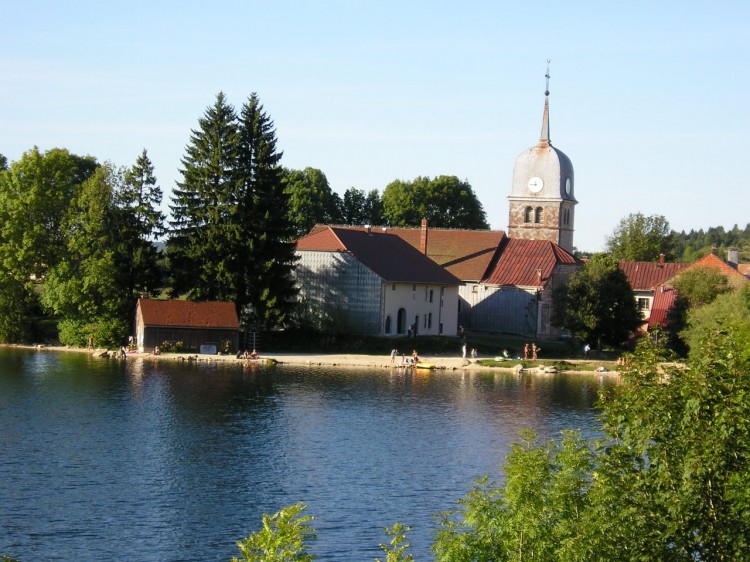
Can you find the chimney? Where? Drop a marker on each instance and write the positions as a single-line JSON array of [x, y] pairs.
[[423, 238], [733, 257], [661, 259], [714, 251]]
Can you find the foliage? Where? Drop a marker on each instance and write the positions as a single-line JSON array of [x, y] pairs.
[[266, 289], [311, 200], [536, 514], [83, 285], [695, 244], [35, 193], [361, 208], [641, 238], [734, 311], [396, 549], [231, 237], [668, 481], [283, 538], [107, 331], [699, 286], [597, 304], [204, 226], [445, 201]]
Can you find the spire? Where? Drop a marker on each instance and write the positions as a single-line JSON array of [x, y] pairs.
[[544, 139]]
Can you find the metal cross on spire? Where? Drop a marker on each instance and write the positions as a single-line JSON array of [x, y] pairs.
[[546, 90]]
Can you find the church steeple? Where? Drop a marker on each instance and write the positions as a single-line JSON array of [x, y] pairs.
[[544, 139], [542, 203]]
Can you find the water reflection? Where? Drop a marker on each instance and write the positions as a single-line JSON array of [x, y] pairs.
[[158, 460]]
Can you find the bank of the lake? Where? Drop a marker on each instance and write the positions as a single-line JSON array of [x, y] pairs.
[[440, 362]]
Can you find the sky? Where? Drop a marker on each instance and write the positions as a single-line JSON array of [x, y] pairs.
[[647, 98]]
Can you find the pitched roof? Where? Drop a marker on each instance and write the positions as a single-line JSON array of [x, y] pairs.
[[527, 263], [187, 314], [467, 254], [646, 275], [664, 298], [744, 268], [714, 261], [386, 254]]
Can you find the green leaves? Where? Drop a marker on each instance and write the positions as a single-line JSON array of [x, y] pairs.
[[284, 537]]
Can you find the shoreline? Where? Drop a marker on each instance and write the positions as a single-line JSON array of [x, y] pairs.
[[321, 359]]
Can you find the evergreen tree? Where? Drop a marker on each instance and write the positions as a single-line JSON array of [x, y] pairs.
[[266, 290], [140, 222], [204, 229]]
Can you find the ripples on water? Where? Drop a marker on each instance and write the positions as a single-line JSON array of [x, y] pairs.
[[157, 460]]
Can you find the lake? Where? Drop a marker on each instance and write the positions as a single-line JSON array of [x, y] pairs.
[[163, 461]]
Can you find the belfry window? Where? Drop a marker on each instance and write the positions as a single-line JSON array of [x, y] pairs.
[[538, 215], [527, 214]]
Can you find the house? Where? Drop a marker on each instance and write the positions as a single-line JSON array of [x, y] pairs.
[[644, 278], [653, 283], [505, 284], [504, 281], [373, 282], [207, 327]]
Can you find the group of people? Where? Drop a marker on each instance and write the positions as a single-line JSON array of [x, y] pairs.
[[531, 351], [248, 355], [414, 358], [473, 352]]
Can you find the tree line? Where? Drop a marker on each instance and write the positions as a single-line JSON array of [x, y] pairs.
[[78, 241]]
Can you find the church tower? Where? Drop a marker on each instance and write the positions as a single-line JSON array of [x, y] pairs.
[[542, 204]]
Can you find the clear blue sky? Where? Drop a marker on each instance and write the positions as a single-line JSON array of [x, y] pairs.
[[647, 98]]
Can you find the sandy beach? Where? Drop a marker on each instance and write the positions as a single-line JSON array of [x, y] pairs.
[[323, 359]]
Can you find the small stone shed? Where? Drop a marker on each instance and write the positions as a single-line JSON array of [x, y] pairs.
[[204, 327]]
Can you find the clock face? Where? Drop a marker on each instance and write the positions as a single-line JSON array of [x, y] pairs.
[[568, 186], [536, 184]]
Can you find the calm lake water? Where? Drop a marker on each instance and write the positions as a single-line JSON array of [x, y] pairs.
[[164, 461]]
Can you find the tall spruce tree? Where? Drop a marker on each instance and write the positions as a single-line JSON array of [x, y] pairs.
[[204, 230], [140, 222], [266, 289]]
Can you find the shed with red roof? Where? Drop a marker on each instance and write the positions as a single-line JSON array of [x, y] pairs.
[[205, 327]]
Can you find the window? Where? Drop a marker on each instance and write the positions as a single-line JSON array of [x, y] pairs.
[[644, 303], [393, 286], [388, 324], [430, 295], [429, 320], [527, 214], [538, 215]]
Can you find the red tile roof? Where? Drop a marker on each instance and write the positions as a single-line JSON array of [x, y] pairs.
[[646, 275], [714, 261], [744, 268], [386, 254], [467, 254], [664, 298], [527, 263], [187, 314]]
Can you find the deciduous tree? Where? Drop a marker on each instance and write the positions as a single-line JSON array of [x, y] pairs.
[[445, 201], [311, 200], [597, 304], [641, 238]]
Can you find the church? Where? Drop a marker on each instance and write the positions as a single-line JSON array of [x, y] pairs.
[[505, 281]]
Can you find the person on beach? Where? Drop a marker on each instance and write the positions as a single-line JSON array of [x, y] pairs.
[[525, 351], [394, 352], [463, 351], [534, 351]]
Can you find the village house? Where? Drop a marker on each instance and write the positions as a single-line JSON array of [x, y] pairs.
[[372, 282], [653, 283], [205, 327], [506, 280]]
